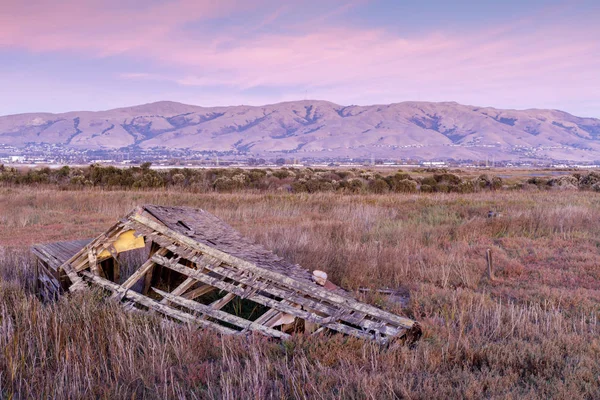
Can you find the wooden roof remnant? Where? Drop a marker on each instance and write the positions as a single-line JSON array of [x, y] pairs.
[[50, 257], [200, 270]]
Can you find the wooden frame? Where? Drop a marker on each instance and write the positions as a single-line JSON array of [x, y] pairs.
[[194, 256]]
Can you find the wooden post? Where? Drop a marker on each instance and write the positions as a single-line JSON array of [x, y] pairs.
[[490, 264], [37, 276]]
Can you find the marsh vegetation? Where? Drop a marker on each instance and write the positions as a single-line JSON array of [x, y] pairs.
[[532, 332]]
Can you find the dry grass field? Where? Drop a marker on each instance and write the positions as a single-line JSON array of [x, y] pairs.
[[532, 333]]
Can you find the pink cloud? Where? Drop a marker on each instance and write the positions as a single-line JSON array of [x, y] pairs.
[[554, 58]]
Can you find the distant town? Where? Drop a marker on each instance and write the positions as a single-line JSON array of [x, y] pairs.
[[58, 155]]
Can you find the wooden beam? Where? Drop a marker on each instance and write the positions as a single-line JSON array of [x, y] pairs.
[[222, 302], [221, 315], [179, 290], [195, 293], [76, 281], [141, 272], [148, 279], [93, 263], [116, 270], [267, 316]]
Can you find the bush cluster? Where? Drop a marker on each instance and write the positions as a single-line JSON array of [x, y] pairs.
[[294, 180], [577, 181]]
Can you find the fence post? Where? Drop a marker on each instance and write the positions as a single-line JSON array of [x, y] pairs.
[[490, 264]]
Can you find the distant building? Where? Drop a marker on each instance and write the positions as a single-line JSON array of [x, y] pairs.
[[16, 159]]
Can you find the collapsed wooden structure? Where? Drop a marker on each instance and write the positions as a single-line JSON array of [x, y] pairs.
[[199, 270]]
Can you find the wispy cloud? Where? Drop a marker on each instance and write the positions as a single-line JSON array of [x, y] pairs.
[[523, 58]]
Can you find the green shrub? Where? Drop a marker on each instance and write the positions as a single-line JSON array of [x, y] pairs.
[[379, 186], [427, 188]]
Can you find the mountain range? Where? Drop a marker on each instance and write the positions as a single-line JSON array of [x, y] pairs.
[[319, 129]]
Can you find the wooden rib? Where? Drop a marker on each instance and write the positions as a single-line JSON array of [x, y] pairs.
[[93, 263], [257, 298], [308, 289], [222, 302], [141, 271], [221, 315], [154, 305], [179, 290], [267, 316], [148, 279], [272, 321], [195, 293], [76, 281]]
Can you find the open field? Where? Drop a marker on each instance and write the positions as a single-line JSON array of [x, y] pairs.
[[533, 332]]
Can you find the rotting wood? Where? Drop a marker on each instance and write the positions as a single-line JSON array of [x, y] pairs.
[[76, 281], [287, 293], [308, 303], [213, 256], [313, 290], [93, 263], [222, 302], [311, 304], [142, 271]]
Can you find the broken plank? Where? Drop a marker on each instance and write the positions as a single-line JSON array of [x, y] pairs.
[[179, 290], [201, 291]]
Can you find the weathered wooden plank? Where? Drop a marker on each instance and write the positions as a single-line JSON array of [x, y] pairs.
[[42, 269], [221, 315], [76, 281], [43, 254], [223, 301], [312, 290], [93, 262], [142, 270], [49, 280], [120, 291], [148, 280], [116, 270]]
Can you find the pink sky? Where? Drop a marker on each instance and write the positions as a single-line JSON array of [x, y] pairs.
[[62, 55]]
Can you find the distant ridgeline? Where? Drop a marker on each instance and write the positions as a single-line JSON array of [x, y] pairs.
[[293, 180]]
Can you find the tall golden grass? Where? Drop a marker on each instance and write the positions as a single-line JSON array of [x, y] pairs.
[[531, 333]]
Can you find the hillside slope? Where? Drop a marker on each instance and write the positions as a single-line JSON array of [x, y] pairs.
[[319, 129]]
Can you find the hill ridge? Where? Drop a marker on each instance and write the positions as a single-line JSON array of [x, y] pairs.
[[319, 128]]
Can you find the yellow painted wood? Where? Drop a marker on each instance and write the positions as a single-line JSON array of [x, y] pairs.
[[125, 242]]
